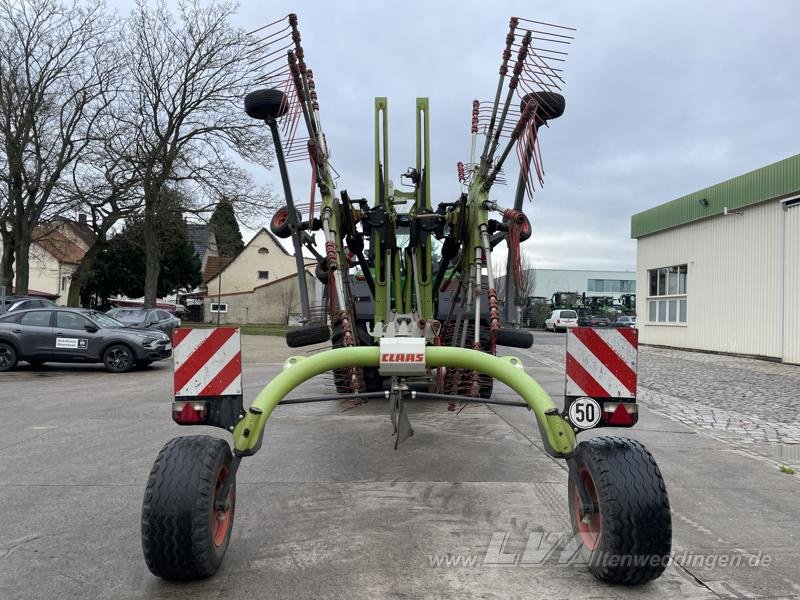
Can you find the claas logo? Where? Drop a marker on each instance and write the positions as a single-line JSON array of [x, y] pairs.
[[402, 357]]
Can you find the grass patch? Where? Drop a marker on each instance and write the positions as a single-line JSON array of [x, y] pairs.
[[246, 328]]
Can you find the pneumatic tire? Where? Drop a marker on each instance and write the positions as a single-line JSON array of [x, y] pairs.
[[514, 338], [118, 358], [183, 536], [8, 356], [629, 537], [279, 224], [307, 335]]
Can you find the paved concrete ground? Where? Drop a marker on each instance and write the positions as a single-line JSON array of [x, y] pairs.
[[328, 509]]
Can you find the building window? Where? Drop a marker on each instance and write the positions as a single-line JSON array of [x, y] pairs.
[[263, 274], [611, 286], [666, 301], [263, 250], [219, 308], [64, 283]]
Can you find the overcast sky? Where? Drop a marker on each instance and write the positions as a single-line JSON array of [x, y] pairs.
[[662, 98]]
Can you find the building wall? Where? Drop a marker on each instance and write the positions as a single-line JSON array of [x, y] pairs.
[[734, 278], [242, 274], [45, 274], [265, 304]]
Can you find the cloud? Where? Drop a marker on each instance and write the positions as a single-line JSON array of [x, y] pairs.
[[662, 99]]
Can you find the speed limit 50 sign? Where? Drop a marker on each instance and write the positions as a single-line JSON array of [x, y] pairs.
[[600, 387]]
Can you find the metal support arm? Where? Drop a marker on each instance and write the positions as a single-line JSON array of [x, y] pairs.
[[557, 435]]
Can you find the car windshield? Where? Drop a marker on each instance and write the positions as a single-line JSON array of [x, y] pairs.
[[129, 316], [103, 319], [568, 314]]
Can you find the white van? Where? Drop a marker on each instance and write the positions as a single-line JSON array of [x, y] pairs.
[[561, 319]]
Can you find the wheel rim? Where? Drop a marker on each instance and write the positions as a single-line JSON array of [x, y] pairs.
[[118, 359], [592, 531], [221, 519], [6, 356], [280, 218]]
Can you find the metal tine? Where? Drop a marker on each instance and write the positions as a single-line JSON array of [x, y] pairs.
[[512, 25], [543, 63], [547, 24], [268, 25], [512, 86]]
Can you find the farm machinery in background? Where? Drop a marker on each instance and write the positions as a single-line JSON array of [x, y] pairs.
[[405, 327]]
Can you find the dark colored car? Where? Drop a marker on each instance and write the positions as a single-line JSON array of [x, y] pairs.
[[77, 335], [598, 321], [146, 318], [20, 302]]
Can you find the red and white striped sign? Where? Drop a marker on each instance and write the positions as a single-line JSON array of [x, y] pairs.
[[601, 363], [208, 362]]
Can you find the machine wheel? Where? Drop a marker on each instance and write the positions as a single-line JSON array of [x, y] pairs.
[[313, 333], [279, 225], [118, 358], [183, 536], [526, 231], [266, 104], [514, 338], [627, 540], [8, 356]]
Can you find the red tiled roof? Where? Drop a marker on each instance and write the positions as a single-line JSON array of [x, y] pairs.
[[215, 264], [59, 246]]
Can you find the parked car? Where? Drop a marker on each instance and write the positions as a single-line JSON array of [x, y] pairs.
[[77, 335], [624, 321], [561, 319], [20, 302], [146, 318], [598, 321]]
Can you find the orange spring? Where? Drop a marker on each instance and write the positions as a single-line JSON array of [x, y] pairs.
[[330, 251]]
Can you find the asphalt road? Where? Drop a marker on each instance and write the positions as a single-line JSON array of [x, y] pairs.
[[327, 508]]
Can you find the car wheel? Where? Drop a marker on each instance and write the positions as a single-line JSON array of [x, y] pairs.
[[8, 357], [118, 359]]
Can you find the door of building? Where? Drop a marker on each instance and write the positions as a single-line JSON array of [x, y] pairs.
[[791, 282]]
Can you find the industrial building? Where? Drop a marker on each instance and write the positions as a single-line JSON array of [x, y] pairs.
[[719, 269], [594, 283]]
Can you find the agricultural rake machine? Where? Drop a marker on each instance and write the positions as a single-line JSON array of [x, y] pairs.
[[413, 313]]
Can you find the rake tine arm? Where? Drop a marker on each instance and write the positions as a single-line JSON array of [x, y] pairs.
[[512, 25], [512, 86]]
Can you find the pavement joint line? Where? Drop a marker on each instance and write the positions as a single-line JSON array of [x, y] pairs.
[[700, 430], [737, 593]]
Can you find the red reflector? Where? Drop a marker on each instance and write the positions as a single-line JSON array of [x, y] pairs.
[[621, 417], [189, 413], [558, 320]]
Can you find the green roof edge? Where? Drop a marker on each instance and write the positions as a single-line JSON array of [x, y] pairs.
[[778, 180]]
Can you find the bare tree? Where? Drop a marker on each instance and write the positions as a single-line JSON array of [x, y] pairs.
[[527, 283], [188, 75], [58, 72], [106, 187], [290, 299]]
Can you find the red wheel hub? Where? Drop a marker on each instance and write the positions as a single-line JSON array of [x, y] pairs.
[[590, 532], [221, 519], [280, 217]]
